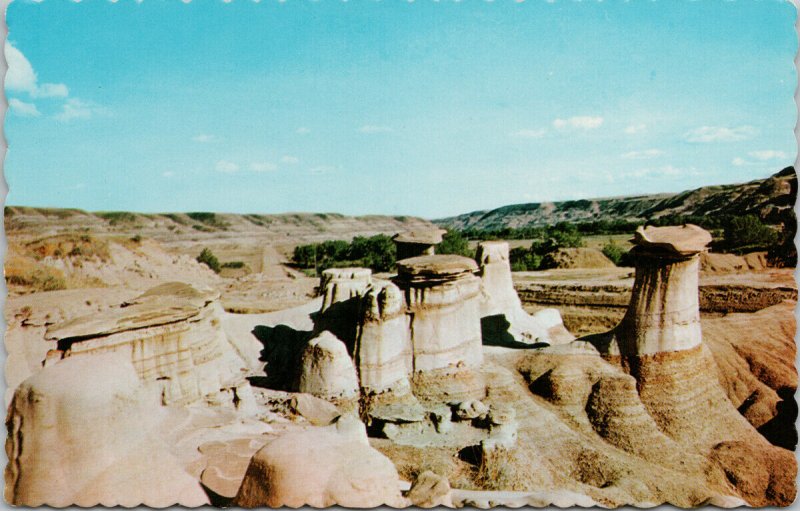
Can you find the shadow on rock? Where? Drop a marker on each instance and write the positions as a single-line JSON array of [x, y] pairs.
[[494, 332], [283, 348]]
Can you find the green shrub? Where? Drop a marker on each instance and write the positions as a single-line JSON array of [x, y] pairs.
[[561, 235], [117, 217], [748, 233], [233, 264], [522, 259], [613, 252], [209, 259], [376, 252], [453, 242], [210, 219]]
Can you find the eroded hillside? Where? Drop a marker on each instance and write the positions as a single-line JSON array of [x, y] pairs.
[[771, 199]]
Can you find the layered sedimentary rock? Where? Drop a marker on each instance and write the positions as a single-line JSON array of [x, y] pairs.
[[171, 334], [417, 243], [383, 353], [341, 284], [321, 467], [664, 313], [502, 317], [326, 369], [85, 431], [443, 298], [341, 290], [659, 343]]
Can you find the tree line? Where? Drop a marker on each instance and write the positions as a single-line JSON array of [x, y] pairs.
[[732, 234]]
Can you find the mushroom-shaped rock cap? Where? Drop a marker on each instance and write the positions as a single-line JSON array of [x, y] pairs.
[[424, 237], [435, 268], [682, 240]]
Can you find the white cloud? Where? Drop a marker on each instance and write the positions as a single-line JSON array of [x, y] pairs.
[[290, 160], [642, 155], [205, 138], [768, 155], [51, 90], [663, 171], [227, 167], [22, 78], [23, 109], [262, 167], [75, 108], [707, 134], [322, 169], [583, 122], [302, 130], [635, 129], [530, 133], [168, 173], [369, 128], [759, 158]]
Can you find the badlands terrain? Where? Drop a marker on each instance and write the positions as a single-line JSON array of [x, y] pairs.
[[135, 374]]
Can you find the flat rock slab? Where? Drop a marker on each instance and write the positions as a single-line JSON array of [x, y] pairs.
[[428, 237], [164, 304], [435, 267]]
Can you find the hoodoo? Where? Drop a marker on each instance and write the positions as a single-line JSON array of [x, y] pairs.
[[664, 312], [502, 315], [442, 294], [383, 351], [341, 290]]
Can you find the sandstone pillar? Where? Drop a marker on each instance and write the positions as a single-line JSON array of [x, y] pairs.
[[383, 350], [443, 297], [664, 314]]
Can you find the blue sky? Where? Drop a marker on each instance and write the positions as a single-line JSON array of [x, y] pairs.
[[425, 108]]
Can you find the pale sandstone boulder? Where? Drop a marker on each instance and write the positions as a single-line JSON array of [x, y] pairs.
[[84, 431], [472, 409], [383, 351], [327, 370], [315, 410], [501, 308], [430, 490], [321, 467]]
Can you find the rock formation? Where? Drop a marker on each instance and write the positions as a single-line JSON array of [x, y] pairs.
[[341, 290], [383, 353], [664, 312], [321, 467], [503, 319], [341, 284], [443, 299], [417, 243], [171, 334], [327, 370], [674, 377], [84, 431]]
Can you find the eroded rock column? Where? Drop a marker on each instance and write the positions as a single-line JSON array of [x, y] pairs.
[[664, 314], [341, 290], [383, 351], [442, 293]]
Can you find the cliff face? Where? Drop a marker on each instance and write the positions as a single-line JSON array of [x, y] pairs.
[[771, 199]]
